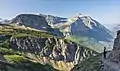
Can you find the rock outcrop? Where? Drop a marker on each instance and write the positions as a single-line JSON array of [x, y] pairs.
[[115, 53], [54, 20], [52, 50], [35, 21], [44, 44], [31, 20], [56, 49], [112, 61]]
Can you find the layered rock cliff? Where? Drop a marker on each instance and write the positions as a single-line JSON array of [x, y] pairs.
[[41, 46], [56, 49]]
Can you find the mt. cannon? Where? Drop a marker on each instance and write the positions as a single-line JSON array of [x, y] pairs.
[[81, 25], [87, 31]]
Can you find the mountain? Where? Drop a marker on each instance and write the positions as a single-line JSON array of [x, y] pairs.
[[87, 31], [86, 26], [32, 43], [35, 21], [30, 49], [54, 20], [32, 20], [79, 25], [99, 63], [80, 28]]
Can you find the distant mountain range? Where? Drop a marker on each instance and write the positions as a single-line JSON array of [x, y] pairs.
[[81, 25], [28, 41], [80, 28], [85, 30]]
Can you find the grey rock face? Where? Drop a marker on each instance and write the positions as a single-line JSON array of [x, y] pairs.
[[112, 62], [35, 21], [115, 54], [86, 26], [56, 49], [54, 20], [31, 20], [82, 54]]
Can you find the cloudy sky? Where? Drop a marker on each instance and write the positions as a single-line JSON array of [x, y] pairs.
[[104, 11]]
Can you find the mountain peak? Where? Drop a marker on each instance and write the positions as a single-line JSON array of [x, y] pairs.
[[84, 19], [86, 26], [80, 15]]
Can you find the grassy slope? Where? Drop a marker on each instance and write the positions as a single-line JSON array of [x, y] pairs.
[[20, 61], [90, 43], [20, 31], [15, 58], [91, 64]]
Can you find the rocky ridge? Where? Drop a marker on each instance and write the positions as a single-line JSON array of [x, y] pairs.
[[41, 45], [32, 36], [54, 20], [35, 21]]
